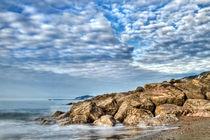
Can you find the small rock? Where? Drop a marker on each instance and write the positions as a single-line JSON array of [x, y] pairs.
[[71, 103], [106, 120], [64, 115], [139, 89], [208, 95], [57, 114], [48, 122]]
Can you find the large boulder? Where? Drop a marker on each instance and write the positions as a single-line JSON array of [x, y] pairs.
[[197, 107], [106, 120], [196, 87], [169, 109], [133, 101], [134, 116], [85, 112], [193, 89], [109, 105], [110, 102], [159, 120], [163, 93]]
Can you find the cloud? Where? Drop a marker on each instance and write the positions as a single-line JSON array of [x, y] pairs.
[[105, 38], [78, 43], [170, 36]]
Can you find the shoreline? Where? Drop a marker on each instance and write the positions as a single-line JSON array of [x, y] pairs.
[[190, 128]]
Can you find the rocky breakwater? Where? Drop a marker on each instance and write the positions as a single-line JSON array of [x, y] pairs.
[[155, 104]]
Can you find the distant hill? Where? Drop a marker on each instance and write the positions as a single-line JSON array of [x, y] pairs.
[[77, 98], [83, 97]]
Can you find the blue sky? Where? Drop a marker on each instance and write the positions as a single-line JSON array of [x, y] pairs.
[[67, 48]]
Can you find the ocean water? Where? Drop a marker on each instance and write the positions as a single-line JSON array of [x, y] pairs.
[[15, 124]]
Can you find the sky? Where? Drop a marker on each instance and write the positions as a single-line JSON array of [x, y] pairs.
[[68, 48]]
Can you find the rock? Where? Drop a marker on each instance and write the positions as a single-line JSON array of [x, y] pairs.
[[64, 115], [163, 93], [208, 95], [192, 89], [81, 119], [71, 103], [196, 105], [134, 116], [139, 89], [159, 120], [199, 114], [85, 112], [48, 122], [106, 120], [122, 112], [57, 114], [109, 105], [130, 102], [65, 121], [38, 119], [169, 109]]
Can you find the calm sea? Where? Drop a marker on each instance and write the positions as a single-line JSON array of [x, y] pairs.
[[15, 124]]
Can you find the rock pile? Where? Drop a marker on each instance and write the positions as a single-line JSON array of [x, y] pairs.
[[155, 104]]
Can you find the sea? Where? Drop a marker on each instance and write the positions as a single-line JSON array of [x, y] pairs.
[[16, 124]]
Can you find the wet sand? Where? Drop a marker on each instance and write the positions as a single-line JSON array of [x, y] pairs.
[[190, 128]]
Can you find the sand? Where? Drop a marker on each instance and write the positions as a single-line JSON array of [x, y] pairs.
[[190, 128]]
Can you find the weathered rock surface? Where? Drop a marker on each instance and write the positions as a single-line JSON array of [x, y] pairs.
[[133, 101], [134, 116], [106, 120], [197, 107], [159, 120], [167, 101], [85, 112], [163, 93], [57, 114], [169, 109], [48, 122], [65, 121]]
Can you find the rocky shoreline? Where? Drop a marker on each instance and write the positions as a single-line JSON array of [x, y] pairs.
[[156, 104]]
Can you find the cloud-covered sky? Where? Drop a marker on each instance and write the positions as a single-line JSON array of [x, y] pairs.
[[109, 44]]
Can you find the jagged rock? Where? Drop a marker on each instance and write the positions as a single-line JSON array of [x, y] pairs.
[[64, 115], [169, 109], [139, 89], [38, 119], [134, 116], [192, 89], [85, 112], [159, 120], [163, 93], [48, 122], [65, 121], [130, 102], [71, 103], [57, 114], [81, 119], [106, 120], [109, 105], [197, 107]]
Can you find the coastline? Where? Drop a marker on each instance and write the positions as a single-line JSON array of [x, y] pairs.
[[190, 128]]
